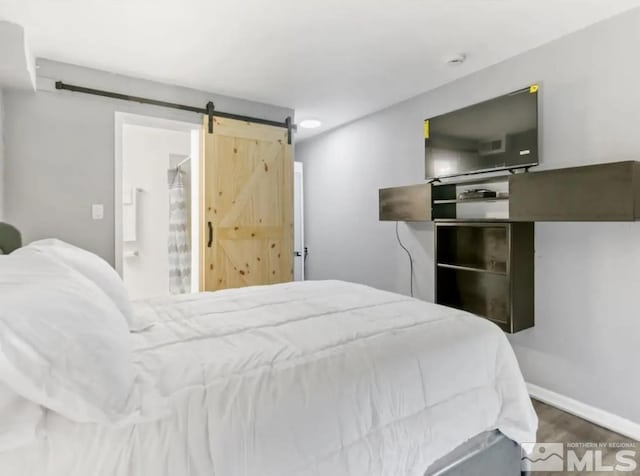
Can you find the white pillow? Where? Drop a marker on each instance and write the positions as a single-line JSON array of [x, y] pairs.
[[64, 344], [94, 268], [21, 421]]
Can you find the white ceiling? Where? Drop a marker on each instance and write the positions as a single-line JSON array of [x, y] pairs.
[[335, 60]]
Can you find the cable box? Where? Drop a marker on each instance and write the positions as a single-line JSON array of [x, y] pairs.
[[476, 193]]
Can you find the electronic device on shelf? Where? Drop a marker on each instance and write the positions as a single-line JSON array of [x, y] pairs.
[[475, 193]]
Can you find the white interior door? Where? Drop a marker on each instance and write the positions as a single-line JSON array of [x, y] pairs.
[[298, 223]]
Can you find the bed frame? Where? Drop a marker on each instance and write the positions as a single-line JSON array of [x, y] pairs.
[[10, 238], [489, 453]]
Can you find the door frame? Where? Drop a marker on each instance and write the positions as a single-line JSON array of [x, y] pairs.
[[298, 196], [122, 119]]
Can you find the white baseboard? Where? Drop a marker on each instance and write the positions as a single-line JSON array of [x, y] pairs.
[[594, 415]]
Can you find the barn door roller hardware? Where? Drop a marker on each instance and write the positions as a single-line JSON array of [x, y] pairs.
[[209, 110]]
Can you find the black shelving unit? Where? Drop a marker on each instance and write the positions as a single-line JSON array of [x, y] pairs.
[[486, 265], [487, 268]]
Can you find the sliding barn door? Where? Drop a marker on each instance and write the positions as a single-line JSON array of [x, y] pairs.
[[247, 216]]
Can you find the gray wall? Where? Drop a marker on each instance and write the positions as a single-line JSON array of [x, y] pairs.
[[59, 149], [586, 339]]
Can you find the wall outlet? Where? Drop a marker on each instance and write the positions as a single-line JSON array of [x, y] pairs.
[[97, 211]]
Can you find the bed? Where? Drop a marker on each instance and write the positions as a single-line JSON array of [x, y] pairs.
[[307, 378]]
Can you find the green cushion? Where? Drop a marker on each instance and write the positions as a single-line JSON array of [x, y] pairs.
[[10, 238]]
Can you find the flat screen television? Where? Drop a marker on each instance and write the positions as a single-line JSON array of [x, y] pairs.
[[498, 134]]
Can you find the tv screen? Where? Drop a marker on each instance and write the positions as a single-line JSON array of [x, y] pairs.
[[498, 134]]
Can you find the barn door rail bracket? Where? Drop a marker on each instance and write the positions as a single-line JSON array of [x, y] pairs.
[[209, 110]]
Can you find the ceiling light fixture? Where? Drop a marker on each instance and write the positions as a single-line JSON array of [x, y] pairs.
[[310, 124]]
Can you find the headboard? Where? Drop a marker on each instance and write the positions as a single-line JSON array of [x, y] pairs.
[[10, 238]]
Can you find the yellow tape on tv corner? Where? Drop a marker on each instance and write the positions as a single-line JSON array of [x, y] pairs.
[[533, 88], [426, 129]]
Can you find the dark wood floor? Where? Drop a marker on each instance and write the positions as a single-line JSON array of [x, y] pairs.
[[558, 426]]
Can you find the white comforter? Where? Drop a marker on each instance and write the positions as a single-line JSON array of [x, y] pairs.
[[313, 378]]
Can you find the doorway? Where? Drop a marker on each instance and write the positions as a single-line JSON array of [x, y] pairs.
[[156, 211]]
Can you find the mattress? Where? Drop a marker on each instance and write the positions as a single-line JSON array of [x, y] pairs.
[[306, 378]]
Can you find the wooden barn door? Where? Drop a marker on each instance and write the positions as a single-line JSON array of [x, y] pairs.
[[247, 216]]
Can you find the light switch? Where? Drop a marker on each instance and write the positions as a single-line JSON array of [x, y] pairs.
[[97, 211]]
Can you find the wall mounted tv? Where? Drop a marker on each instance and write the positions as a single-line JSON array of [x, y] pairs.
[[498, 134]]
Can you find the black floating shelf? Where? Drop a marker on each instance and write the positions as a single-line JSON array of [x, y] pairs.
[[474, 269], [469, 200]]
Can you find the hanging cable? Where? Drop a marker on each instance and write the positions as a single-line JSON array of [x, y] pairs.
[[410, 258]]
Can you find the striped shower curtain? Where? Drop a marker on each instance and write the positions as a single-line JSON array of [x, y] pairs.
[[179, 249]]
